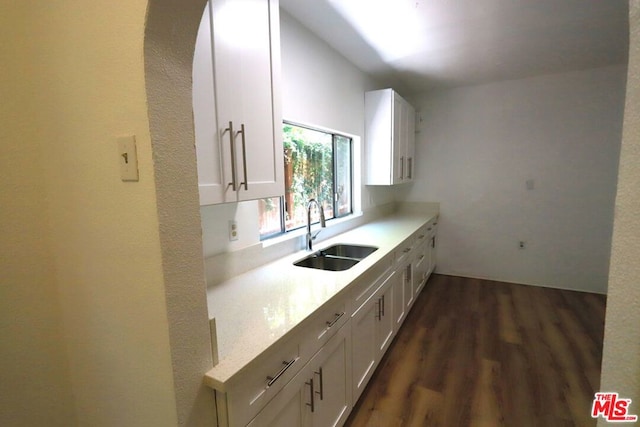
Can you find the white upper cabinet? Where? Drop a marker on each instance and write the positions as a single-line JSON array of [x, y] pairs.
[[237, 111], [389, 138]]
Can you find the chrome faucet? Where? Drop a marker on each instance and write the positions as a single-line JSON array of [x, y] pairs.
[[310, 237]]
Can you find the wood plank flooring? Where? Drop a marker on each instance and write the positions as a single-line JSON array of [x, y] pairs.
[[482, 353]]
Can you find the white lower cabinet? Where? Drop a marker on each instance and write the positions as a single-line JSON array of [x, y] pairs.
[[319, 395], [399, 308], [314, 377], [407, 284], [372, 327], [432, 251], [425, 257], [422, 265]]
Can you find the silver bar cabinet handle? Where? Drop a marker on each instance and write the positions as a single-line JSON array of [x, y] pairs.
[[333, 322], [233, 156], [312, 404], [321, 392], [244, 158], [271, 380]]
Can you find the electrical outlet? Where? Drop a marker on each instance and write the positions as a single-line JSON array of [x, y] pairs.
[[233, 230], [521, 244]]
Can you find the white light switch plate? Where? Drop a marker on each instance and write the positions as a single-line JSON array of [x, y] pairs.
[[128, 158]]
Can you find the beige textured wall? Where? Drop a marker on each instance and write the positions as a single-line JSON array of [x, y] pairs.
[[169, 41], [104, 231], [84, 317], [34, 379], [621, 358]]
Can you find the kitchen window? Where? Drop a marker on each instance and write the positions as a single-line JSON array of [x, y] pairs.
[[318, 165]]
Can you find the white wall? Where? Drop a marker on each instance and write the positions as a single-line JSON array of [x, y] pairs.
[[478, 146], [620, 361], [320, 88]]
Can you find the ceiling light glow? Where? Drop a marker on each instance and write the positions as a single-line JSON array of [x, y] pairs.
[[391, 27]]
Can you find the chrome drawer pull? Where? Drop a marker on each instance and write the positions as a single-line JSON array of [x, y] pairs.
[[333, 322], [233, 156], [321, 392], [312, 404], [244, 158], [287, 365]]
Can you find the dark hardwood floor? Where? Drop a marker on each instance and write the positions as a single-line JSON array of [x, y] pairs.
[[482, 353]]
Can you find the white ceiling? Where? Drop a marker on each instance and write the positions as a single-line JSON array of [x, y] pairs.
[[463, 42]]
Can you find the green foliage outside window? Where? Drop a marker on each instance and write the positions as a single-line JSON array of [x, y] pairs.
[[308, 170], [315, 162]]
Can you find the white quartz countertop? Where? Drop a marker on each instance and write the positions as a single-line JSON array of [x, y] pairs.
[[256, 309]]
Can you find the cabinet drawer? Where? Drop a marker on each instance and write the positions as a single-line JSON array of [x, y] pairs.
[[404, 250], [261, 382], [370, 280], [422, 235], [322, 326]]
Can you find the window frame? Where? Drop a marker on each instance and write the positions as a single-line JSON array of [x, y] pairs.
[[334, 166]]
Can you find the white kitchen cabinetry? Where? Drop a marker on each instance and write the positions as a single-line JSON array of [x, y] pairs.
[[319, 395], [399, 309], [407, 284], [315, 374], [372, 327], [275, 375], [425, 256], [237, 117], [421, 265], [433, 247], [389, 138]]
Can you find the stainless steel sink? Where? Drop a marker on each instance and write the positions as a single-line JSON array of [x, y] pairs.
[[327, 263], [337, 257], [349, 251]]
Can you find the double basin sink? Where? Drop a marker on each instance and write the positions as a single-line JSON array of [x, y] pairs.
[[338, 257]]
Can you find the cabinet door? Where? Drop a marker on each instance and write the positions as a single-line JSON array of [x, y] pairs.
[[372, 327], [290, 407], [421, 265], [385, 321], [246, 57], [319, 395], [433, 251], [403, 139], [332, 381], [399, 158], [237, 119], [409, 125], [211, 180], [364, 347], [389, 138], [407, 282], [399, 309]]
